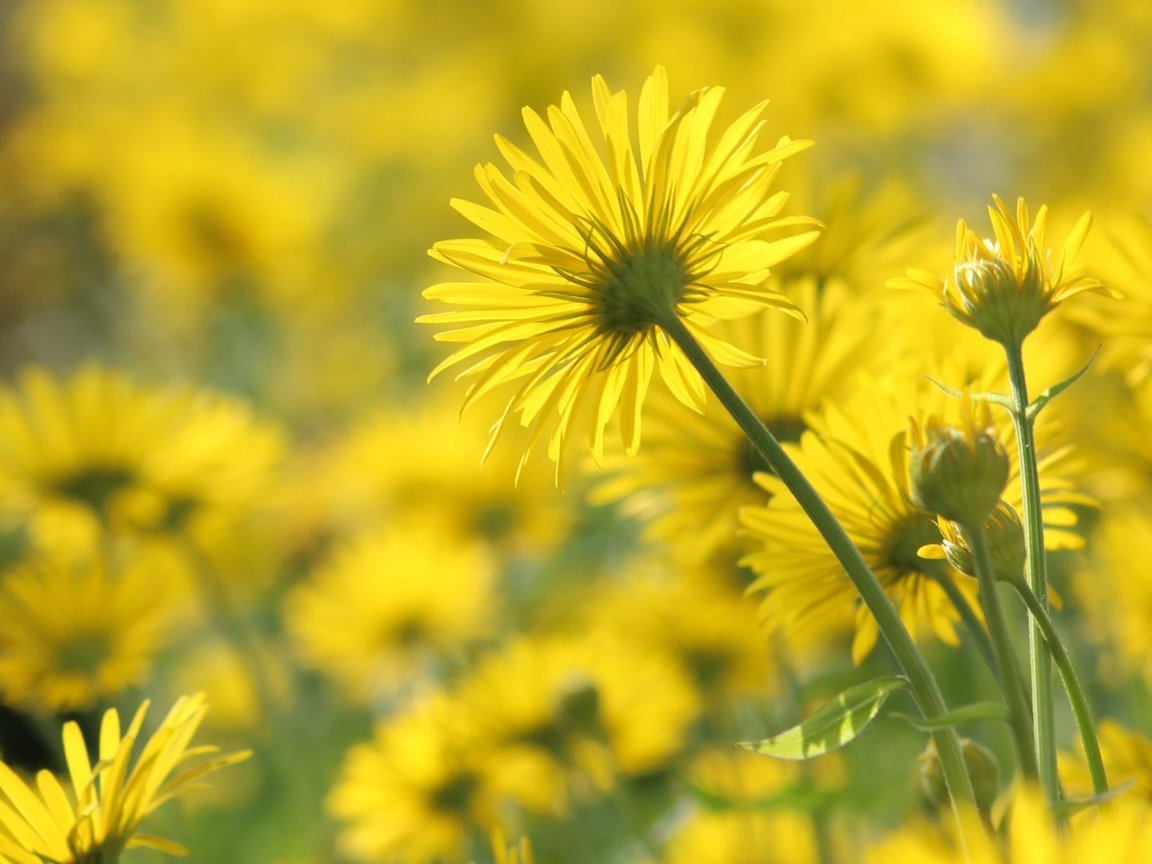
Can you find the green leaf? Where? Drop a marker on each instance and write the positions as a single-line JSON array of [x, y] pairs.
[[958, 716], [1056, 389], [831, 727], [994, 398], [1071, 806]]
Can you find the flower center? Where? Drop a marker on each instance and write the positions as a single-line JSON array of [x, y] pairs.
[[94, 487], [903, 538], [639, 286]]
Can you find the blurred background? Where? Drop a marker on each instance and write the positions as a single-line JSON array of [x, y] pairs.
[[214, 219]]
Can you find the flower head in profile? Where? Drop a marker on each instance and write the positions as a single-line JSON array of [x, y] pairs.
[[601, 240], [1003, 287], [95, 817]]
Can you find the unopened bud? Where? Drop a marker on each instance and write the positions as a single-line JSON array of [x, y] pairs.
[[982, 768], [958, 473]]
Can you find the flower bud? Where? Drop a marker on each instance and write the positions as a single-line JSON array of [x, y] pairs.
[[1003, 304], [958, 473], [982, 768], [1005, 534]]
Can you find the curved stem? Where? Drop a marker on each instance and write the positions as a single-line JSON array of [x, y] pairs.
[[1019, 718], [925, 690], [1076, 698], [1041, 670]]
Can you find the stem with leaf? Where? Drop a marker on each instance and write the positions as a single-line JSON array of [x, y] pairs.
[[1044, 728], [922, 683]]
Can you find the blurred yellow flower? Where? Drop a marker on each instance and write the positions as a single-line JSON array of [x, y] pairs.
[[578, 711], [707, 627], [594, 246], [1127, 756], [100, 448], [422, 461], [1119, 831], [1004, 287], [416, 792], [384, 609], [73, 632], [96, 817]]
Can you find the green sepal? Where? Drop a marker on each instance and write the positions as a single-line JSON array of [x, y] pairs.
[[957, 716], [833, 725], [1056, 389]]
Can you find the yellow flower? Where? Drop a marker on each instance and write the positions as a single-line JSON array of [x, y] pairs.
[[1118, 832], [96, 817], [416, 792], [100, 447], [695, 471], [1127, 756], [856, 456], [595, 244], [579, 710], [1004, 287], [389, 605], [72, 632]]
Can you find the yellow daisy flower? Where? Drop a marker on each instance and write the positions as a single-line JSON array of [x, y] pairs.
[[99, 447], [579, 710], [595, 243], [1119, 831], [857, 458], [709, 629], [1127, 758], [416, 792], [72, 632], [387, 606], [95, 817], [422, 459], [696, 470], [1004, 287]]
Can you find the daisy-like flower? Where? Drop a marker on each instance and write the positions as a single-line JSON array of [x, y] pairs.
[[96, 816], [1127, 758], [601, 241], [696, 470], [418, 790], [1117, 831], [101, 448], [857, 458], [386, 607], [72, 632], [579, 711], [1004, 287]]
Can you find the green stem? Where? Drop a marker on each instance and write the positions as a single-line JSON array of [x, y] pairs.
[[1076, 698], [1019, 718], [968, 615], [1041, 670], [925, 690]]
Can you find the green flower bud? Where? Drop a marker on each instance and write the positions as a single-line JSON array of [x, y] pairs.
[[1005, 533], [982, 768], [958, 473]]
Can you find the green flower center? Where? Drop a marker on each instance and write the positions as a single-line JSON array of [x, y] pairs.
[[638, 287], [454, 795], [904, 537], [94, 486]]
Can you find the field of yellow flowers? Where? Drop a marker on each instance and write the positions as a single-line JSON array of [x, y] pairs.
[[690, 432]]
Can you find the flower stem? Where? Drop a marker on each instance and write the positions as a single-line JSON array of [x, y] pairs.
[[968, 615], [925, 690], [1044, 728], [1076, 698], [1019, 717]]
